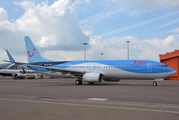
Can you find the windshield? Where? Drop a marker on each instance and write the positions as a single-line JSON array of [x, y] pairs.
[[162, 66]]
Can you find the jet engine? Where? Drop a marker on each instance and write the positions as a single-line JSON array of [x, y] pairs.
[[92, 77]]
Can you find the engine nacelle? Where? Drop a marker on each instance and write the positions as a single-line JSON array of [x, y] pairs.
[[111, 80], [92, 77]]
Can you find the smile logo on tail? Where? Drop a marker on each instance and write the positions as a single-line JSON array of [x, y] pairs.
[[32, 53]]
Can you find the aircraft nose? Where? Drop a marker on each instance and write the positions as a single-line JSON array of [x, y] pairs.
[[172, 71], [175, 72]]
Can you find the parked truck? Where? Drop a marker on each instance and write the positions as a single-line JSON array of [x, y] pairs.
[[24, 75]]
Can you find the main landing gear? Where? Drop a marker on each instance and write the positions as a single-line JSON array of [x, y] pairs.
[[78, 82], [154, 83]]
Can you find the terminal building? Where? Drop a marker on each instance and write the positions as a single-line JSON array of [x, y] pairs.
[[171, 59]]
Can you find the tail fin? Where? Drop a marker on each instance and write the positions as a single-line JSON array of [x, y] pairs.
[[32, 53], [11, 59]]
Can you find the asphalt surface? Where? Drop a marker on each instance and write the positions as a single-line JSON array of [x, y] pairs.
[[62, 99]]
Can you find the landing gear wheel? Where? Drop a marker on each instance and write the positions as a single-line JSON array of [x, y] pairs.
[[91, 83], [78, 82], [81, 82], [154, 84]]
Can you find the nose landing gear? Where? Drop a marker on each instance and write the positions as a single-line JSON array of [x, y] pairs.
[[154, 83], [157, 80]]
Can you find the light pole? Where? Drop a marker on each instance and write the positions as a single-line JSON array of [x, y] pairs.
[[102, 56], [85, 50], [128, 49]]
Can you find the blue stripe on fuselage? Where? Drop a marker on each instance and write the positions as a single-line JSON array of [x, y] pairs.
[[144, 64]]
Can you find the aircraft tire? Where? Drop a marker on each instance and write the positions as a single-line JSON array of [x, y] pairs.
[[154, 84], [78, 82]]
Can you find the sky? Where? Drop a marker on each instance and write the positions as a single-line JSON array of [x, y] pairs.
[[59, 28]]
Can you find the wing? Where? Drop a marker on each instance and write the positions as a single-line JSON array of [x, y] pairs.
[[55, 69]]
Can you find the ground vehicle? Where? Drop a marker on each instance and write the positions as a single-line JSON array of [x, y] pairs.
[[24, 75]]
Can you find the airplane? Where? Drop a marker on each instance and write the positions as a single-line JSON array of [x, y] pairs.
[[10, 72], [97, 71]]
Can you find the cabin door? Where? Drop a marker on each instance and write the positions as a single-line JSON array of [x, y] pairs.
[[149, 67]]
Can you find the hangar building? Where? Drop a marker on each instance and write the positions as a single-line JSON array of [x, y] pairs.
[[171, 59]]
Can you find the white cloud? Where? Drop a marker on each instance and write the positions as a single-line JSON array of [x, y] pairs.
[[116, 48], [169, 40], [175, 30], [53, 27], [3, 55], [88, 32], [79, 2], [47, 41], [3, 14]]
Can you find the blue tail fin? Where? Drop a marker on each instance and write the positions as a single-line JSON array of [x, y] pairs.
[[32, 53], [11, 59]]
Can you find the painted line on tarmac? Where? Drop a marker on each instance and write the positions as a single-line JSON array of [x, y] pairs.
[[108, 101], [95, 106], [97, 99]]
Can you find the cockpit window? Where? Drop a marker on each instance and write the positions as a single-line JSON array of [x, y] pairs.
[[162, 66]]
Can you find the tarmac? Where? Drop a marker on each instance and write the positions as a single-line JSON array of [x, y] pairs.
[[62, 99]]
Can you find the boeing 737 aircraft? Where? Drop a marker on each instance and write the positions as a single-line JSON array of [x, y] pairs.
[[9, 72], [97, 71]]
